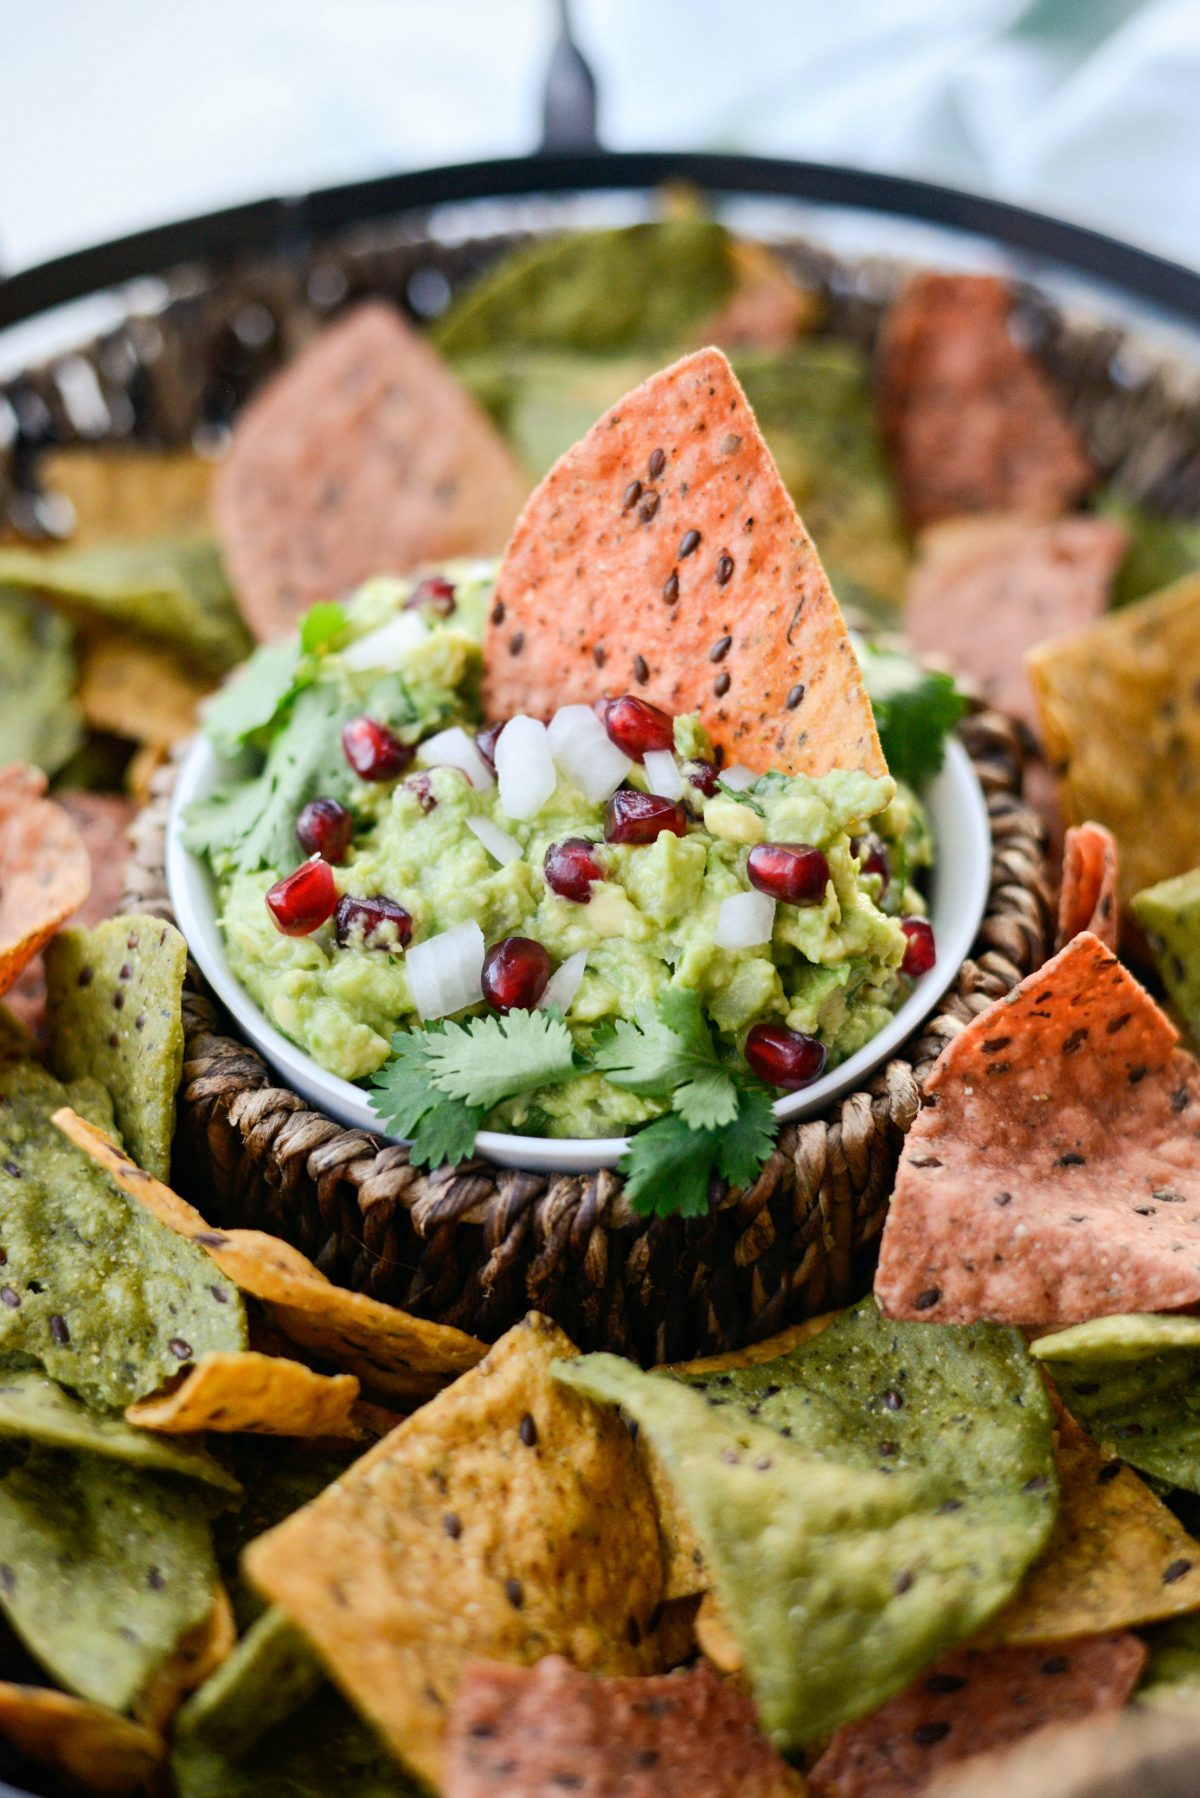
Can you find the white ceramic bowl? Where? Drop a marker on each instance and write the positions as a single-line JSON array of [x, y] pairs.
[[958, 894]]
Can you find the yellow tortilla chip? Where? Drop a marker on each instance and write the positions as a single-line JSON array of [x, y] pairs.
[[1120, 717], [507, 1519], [143, 766], [714, 1638], [97, 1749], [234, 1390], [756, 1354], [1118, 1557], [45, 871], [131, 493], [392, 1352], [139, 689], [197, 1655]]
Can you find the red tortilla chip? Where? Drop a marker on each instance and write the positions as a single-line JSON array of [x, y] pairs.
[[103, 821], [1088, 897], [544, 1730], [985, 590], [44, 871], [972, 420], [974, 1702], [663, 555], [1054, 1173], [364, 457]]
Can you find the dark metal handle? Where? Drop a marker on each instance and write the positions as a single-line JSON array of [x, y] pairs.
[[569, 96]]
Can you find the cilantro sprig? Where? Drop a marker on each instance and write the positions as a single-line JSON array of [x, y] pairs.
[[915, 710], [442, 1081]]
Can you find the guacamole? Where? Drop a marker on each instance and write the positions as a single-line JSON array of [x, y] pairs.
[[443, 852]]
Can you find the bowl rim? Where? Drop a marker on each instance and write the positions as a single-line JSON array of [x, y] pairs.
[[962, 869]]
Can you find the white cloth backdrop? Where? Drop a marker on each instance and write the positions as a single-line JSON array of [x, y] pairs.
[[119, 113]]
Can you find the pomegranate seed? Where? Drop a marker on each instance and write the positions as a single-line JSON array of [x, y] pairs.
[[631, 817], [436, 594], [374, 923], [422, 786], [515, 972], [704, 775], [636, 726], [485, 742], [794, 872], [570, 868], [872, 858], [324, 828], [784, 1057], [921, 952], [372, 751], [301, 902]]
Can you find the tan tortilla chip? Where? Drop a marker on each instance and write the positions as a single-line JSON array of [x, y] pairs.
[[90, 1746], [1054, 1174], [139, 689], [506, 1519], [197, 1655], [1120, 719], [131, 493], [45, 874], [974, 1702], [619, 578], [545, 1730], [1118, 1557], [243, 1390], [391, 1352], [364, 457], [715, 1638], [1087, 899], [972, 420], [986, 590]]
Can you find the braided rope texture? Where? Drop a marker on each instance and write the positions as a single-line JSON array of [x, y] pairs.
[[478, 1246]]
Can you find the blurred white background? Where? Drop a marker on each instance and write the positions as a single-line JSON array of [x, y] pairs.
[[120, 113]]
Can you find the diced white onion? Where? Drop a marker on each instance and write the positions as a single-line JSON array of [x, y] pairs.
[[662, 774], [565, 982], [386, 647], [445, 972], [497, 842], [586, 753], [524, 766], [739, 777], [744, 921], [453, 748]]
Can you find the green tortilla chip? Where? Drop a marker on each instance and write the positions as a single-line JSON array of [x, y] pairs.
[[172, 588], [102, 1569], [111, 1302], [113, 999], [1169, 913], [329, 1749], [1134, 1382], [863, 1503], [278, 1476], [270, 1674], [543, 401], [815, 408], [1171, 1681], [34, 1408], [1161, 550], [640, 287], [40, 722]]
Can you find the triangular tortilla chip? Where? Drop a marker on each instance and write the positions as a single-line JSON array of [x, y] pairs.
[[550, 1729], [391, 1351], [506, 1519], [985, 590], [970, 1703], [1088, 898], [364, 457], [117, 490], [248, 1391], [137, 688], [1118, 1557], [1054, 1174], [664, 555], [45, 873], [196, 1656], [97, 1749]]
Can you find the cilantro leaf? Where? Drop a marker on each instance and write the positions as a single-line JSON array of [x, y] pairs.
[[667, 1168], [321, 626], [749, 1138], [915, 710], [409, 1104], [253, 698], [446, 1134], [669, 1054], [707, 1100], [485, 1060]]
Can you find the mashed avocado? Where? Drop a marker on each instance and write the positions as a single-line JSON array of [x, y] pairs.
[[831, 969]]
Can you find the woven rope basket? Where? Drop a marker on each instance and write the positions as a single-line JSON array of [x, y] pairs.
[[479, 1245]]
